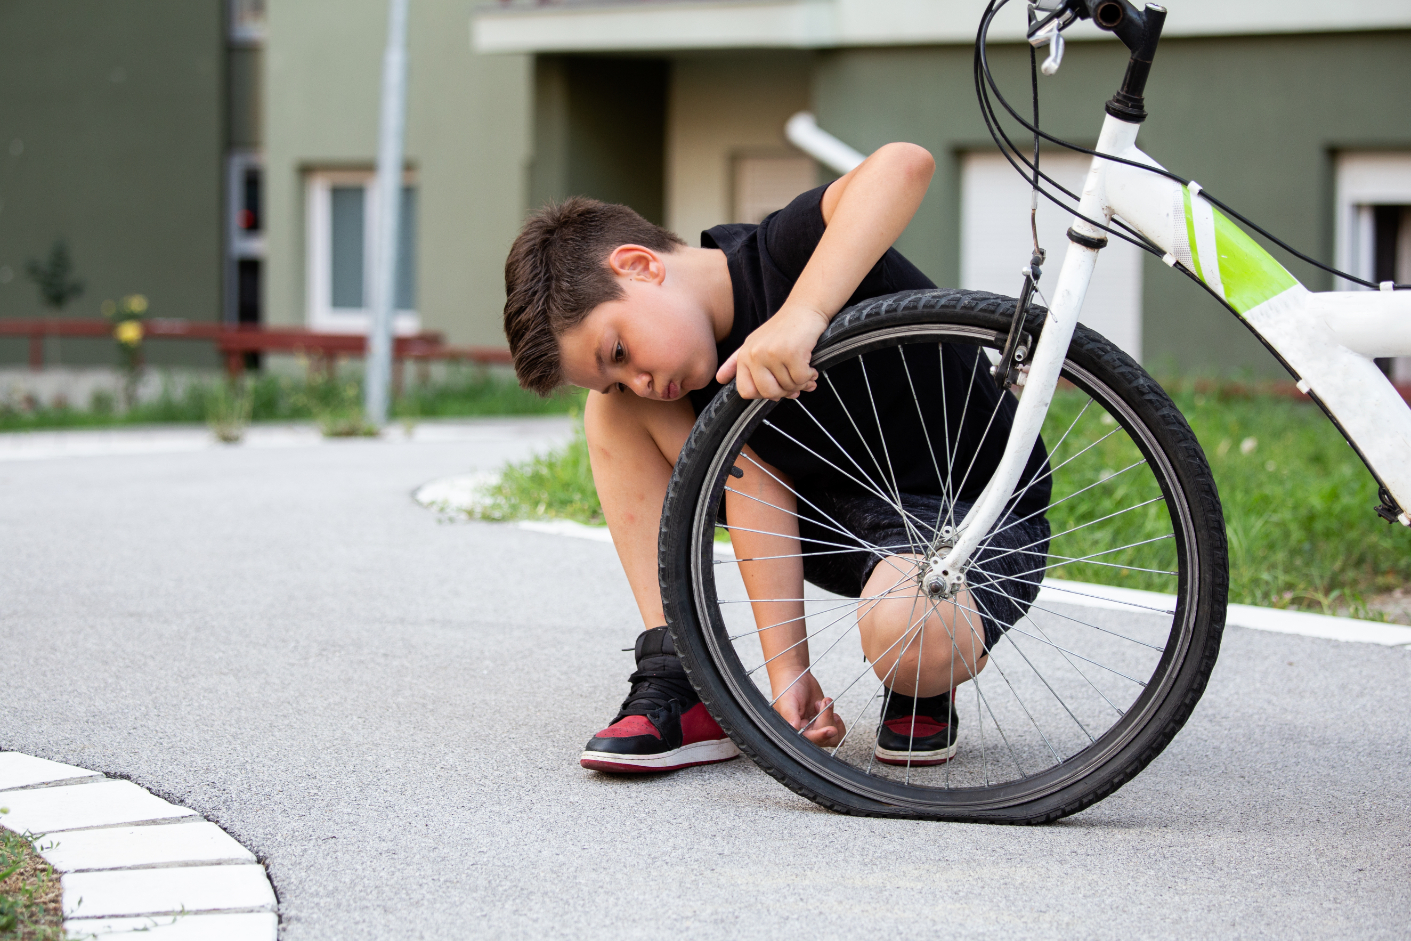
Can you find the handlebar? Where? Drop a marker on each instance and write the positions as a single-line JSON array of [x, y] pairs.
[[1139, 31]]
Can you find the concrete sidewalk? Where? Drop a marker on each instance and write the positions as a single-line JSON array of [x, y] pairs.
[[388, 709]]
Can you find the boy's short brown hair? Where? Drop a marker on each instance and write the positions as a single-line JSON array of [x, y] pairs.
[[557, 272]]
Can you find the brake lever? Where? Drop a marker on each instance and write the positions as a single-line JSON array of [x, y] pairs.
[[1055, 53], [1049, 32]]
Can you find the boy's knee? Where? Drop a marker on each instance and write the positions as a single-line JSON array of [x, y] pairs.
[[623, 417]]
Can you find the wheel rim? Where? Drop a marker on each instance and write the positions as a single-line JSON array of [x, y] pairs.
[[1065, 690]]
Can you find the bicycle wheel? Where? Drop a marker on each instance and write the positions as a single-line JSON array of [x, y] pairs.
[[1089, 683]]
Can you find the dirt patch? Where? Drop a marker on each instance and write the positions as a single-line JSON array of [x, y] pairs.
[[30, 893], [1394, 605]]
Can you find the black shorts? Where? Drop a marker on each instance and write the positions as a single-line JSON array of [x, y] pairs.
[[1004, 573]]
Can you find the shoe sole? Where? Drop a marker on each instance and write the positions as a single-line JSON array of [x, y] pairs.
[[916, 758], [697, 753]]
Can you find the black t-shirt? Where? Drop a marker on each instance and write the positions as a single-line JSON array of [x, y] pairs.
[[956, 438]]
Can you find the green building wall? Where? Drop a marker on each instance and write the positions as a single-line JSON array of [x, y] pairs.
[[586, 143], [1256, 120], [468, 139], [112, 136]]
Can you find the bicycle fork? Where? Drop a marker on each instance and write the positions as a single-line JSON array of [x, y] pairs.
[[945, 575]]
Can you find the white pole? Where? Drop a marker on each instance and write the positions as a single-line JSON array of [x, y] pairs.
[[389, 209], [803, 132]]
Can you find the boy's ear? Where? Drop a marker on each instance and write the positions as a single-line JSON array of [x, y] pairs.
[[637, 263]]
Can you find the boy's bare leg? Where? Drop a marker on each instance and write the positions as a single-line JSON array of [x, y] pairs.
[[633, 444], [764, 527], [916, 648]]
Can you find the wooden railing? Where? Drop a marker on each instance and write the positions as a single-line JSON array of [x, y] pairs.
[[232, 342]]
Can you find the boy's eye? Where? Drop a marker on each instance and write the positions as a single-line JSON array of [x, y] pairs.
[[617, 354]]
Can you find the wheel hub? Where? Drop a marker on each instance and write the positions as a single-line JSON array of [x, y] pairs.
[[937, 580]]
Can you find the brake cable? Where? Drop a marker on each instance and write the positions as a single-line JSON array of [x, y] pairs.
[[984, 77], [1008, 371]]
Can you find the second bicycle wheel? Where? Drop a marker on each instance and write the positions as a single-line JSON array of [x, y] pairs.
[[1100, 597]]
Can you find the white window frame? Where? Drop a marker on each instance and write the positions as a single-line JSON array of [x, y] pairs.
[[322, 315], [1366, 179]]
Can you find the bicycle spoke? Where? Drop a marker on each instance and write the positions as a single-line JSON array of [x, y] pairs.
[[1070, 496], [980, 694], [920, 544], [1015, 693], [848, 603], [896, 496], [776, 699], [1038, 627], [764, 532], [1121, 601], [887, 551], [875, 599], [926, 435], [959, 430], [796, 494], [869, 487], [866, 485], [861, 543]]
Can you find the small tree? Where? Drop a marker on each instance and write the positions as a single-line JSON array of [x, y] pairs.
[[54, 277]]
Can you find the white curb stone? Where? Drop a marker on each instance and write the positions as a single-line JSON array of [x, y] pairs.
[[18, 770], [173, 877], [1056, 591], [1304, 623], [240, 927], [158, 891], [101, 803], [157, 845]]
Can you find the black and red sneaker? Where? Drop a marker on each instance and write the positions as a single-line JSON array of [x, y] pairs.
[[917, 731], [663, 725]]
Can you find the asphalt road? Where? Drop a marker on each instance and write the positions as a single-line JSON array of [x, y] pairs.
[[388, 710]]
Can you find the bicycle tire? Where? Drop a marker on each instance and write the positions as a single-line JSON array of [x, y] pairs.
[[1184, 491]]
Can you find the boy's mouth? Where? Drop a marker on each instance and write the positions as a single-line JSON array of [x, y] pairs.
[[672, 391]]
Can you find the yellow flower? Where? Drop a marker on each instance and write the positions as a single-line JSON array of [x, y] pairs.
[[128, 333], [136, 303]]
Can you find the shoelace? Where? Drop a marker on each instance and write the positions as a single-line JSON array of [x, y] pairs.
[[656, 690]]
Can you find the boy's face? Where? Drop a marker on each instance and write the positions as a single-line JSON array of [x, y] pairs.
[[657, 341]]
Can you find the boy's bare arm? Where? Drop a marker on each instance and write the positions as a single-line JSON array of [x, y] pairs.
[[865, 211]]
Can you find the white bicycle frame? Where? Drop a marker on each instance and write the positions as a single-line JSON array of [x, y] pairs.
[[1326, 339]]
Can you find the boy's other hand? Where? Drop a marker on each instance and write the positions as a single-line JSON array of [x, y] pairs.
[[805, 705], [773, 362]]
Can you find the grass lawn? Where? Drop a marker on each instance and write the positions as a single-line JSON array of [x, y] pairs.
[[466, 392], [1297, 501], [30, 894]]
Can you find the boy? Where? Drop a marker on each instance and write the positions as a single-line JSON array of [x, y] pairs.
[[598, 297]]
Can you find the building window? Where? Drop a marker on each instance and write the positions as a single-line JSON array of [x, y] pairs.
[[245, 239], [1374, 216], [247, 21], [1373, 223], [763, 184], [995, 243], [342, 215]]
